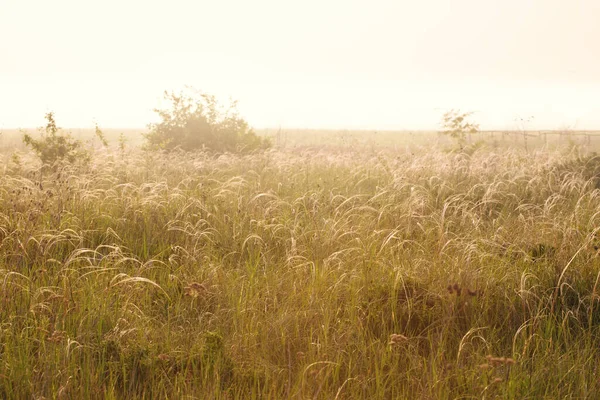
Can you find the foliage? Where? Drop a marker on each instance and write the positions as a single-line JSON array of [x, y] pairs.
[[55, 146], [196, 120], [122, 143], [456, 124], [100, 135]]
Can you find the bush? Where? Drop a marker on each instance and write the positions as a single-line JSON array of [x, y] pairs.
[[456, 124], [196, 120], [55, 146]]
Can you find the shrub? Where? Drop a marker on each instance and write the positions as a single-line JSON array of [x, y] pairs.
[[196, 120], [55, 146], [100, 135], [456, 124]]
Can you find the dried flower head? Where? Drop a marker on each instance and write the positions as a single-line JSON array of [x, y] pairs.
[[396, 339], [195, 289], [495, 361], [57, 336]]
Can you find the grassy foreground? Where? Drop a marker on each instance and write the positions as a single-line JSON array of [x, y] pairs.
[[301, 274]]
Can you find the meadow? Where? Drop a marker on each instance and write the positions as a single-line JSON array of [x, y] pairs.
[[354, 270]]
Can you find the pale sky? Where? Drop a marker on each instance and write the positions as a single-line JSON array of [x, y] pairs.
[[308, 64]]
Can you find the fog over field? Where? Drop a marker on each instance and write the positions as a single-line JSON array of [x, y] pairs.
[[316, 64], [300, 200]]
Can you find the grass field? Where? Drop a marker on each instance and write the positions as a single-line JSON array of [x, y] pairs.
[[351, 272]]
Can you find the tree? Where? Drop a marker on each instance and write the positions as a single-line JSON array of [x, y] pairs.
[[456, 124], [196, 120], [55, 146]]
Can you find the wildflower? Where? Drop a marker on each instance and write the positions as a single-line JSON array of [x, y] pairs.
[[396, 339], [457, 289], [500, 360], [57, 336], [195, 289]]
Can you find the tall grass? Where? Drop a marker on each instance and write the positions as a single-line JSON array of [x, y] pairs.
[[301, 274]]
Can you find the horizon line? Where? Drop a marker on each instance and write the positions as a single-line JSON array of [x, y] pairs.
[[283, 128]]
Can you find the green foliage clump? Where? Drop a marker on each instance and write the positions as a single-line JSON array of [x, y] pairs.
[[100, 135], [456, 124], [55, 146], [197, 121]]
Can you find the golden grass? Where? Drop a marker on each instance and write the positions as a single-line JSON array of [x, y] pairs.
[[301, 273]]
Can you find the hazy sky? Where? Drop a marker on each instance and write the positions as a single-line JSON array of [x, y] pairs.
[[312, 63]]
